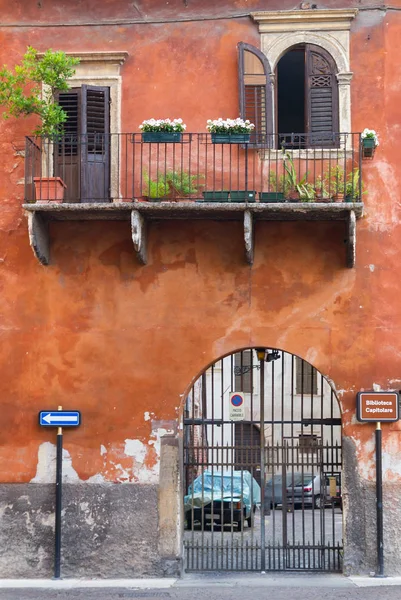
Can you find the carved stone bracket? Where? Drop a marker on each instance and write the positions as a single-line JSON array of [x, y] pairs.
[[351, 240], [139, 236], [38, 231], [248, 237]]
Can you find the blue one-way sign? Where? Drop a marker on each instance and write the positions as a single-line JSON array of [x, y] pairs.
[[59, 418]]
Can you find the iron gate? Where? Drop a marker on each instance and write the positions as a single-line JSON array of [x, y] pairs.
[[262, 487]]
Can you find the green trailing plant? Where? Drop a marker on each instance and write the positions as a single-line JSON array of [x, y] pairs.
[[31, 88], [182, 183]]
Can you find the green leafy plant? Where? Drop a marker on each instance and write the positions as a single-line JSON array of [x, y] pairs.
[[321, 188], [31, 87], [352, 185], [335, 181], [182, 183], [301, 187], [156, 188]]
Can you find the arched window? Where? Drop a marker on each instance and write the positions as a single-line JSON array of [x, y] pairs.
[[307, 97], [255, 91]]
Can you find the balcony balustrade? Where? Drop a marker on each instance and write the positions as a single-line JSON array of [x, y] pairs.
[[121, 176]]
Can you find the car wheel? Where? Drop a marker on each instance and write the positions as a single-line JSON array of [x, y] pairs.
[[251, 520], [189, 521], [318, 502], [240, 525]]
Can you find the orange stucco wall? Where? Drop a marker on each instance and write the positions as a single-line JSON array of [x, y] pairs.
[[98, 332]]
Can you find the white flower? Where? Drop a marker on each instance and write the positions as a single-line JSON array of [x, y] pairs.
[[229, 125], [370, 134]]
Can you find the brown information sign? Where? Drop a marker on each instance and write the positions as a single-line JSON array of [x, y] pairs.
[[377, 406]]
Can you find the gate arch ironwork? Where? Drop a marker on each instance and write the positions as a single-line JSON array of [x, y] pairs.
[[262, 487]]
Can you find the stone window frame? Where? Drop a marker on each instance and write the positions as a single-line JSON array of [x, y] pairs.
[[103, 69], [329, 29]]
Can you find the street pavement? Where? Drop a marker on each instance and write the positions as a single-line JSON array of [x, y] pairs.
[[212, 587]]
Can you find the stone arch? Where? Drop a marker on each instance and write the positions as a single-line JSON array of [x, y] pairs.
[[277, 48]]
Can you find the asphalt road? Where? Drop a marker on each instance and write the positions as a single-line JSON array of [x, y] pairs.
[[211, 588]]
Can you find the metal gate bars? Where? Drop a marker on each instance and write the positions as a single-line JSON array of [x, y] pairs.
[[262, 467]]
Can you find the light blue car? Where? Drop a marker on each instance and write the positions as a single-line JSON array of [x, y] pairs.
[[222, 497]]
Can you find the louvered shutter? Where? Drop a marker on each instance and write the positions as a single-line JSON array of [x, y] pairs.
[[66, 159], [306, 377], [255, 92], [95, 150], [322, 95], [243, 371]]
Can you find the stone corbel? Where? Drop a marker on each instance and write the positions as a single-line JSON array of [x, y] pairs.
[[248, 236], [38, 230], [139, 236], [351, 240]]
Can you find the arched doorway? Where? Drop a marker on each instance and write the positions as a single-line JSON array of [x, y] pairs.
[[262, 466]]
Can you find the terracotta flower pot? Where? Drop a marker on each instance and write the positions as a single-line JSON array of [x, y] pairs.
[[49, 189]]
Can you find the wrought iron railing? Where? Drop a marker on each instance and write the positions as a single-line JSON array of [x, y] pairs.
[[123, 167]]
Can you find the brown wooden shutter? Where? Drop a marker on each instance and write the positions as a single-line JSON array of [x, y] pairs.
[[95, 151], [67, 161], [243, 371], [322, 97], [255, 91], [306, 377]]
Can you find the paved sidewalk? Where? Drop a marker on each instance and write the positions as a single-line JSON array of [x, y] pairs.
[[210, 586]]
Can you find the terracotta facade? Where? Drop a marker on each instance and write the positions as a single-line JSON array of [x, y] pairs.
[[123, 342]]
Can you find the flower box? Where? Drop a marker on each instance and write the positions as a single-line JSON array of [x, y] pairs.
[[162, 137], [213, 196], [368, 147], [230, 138], [230, 131], [271, 197], [370, 140], [242, 196]]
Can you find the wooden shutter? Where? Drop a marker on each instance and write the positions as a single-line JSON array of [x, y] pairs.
[[243, 371], [322, 97], [66, 155], [95, 151], [255, 92], [306, 377]]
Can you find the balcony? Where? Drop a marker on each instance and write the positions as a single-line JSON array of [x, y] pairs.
[[121, 177]]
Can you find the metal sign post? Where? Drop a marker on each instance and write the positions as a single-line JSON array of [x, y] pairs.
[[378, 407], [59, 419]]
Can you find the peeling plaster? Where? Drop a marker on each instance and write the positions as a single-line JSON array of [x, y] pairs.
[[46, 467]]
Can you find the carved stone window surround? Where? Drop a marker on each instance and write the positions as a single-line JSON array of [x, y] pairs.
[[330, 29]]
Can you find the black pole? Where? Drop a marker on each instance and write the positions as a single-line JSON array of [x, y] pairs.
[[59, 468], [379, 501]]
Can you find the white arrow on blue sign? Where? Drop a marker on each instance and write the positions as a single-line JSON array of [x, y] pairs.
[[60, 418]]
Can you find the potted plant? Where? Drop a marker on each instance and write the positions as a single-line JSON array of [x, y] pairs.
[[370, 141], [31, 89], [230, 131], [296, 190], [162, 130], [335, 183], [321, 190], [155, 190], [353, 186], [183, 184]]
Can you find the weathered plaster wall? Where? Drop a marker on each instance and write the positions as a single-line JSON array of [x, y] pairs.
[[122, 342]]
